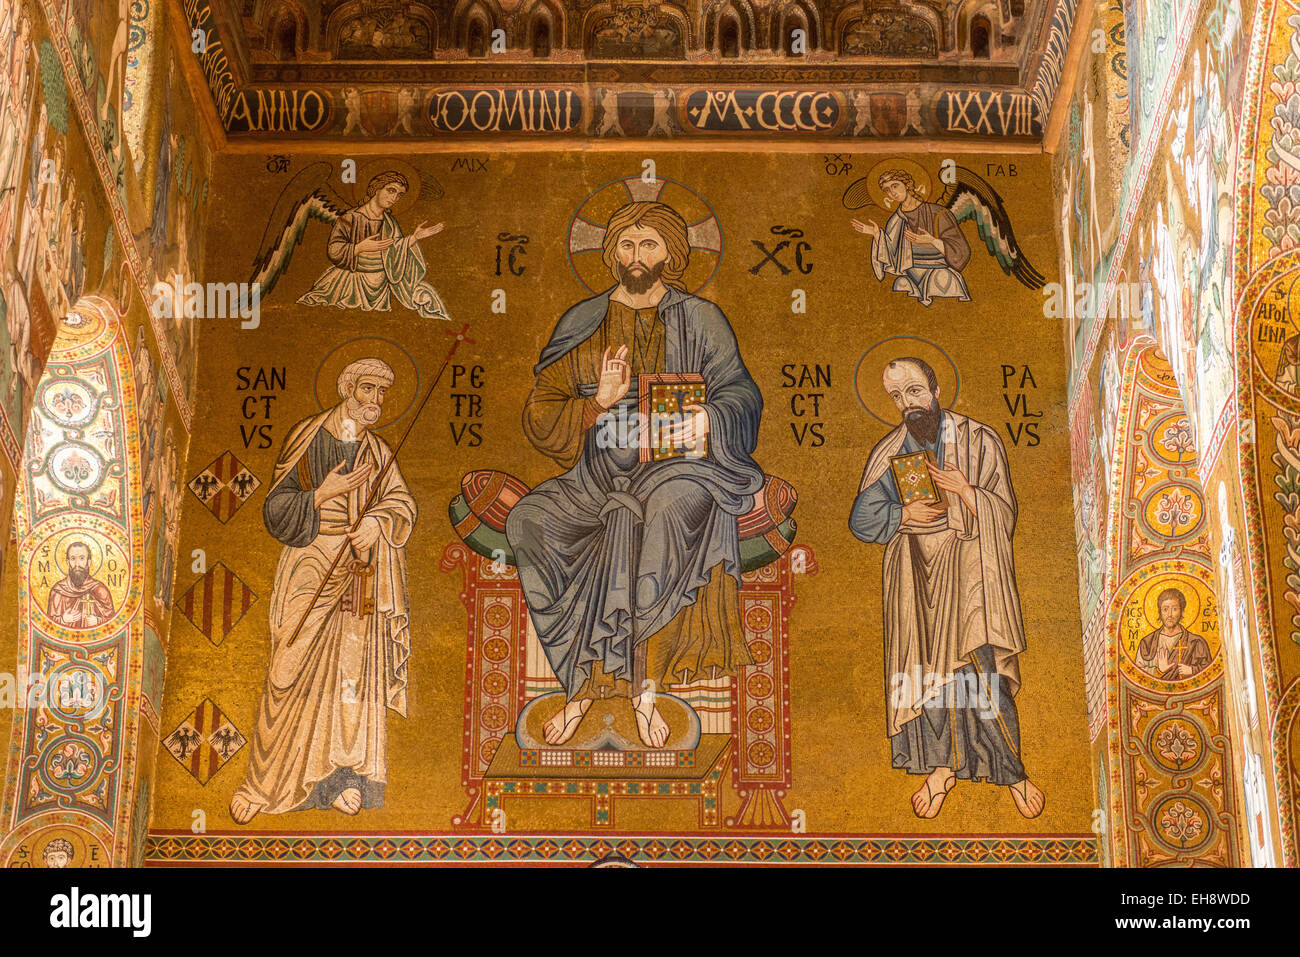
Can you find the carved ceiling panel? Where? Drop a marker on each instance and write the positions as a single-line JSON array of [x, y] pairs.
[[589, 68]]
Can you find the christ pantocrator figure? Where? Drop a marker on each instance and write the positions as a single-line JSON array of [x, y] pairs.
[[631, 569]]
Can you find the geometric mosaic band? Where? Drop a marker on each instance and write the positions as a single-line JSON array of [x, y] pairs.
[[183, 848]]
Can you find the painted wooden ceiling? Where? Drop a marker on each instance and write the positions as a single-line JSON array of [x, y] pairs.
[[405, 69]]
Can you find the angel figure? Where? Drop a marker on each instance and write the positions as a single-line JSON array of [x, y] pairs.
[[372, 261], [922, 246]]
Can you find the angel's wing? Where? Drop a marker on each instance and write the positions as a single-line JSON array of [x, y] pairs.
[[857, 196], [972, 198], [307, 196], [430, 188]]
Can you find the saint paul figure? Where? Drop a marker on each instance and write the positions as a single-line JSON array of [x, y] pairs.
[[631, 569], [953, 631]]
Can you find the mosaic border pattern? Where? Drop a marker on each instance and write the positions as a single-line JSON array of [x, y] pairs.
[[183, 848]]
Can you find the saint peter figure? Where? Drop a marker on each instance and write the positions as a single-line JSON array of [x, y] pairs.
[[339, 638], [631, 569], [952, 623]]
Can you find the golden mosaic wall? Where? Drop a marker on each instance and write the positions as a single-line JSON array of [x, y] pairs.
[[775, 250]]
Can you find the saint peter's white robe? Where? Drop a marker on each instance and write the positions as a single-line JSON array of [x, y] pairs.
[[321, 722]]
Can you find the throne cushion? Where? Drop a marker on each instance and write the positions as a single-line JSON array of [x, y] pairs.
[[479, 512]]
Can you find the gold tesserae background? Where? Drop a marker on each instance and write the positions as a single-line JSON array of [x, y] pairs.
[[842, 779]]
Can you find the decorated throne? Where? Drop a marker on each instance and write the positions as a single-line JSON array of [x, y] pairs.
[[743, 722]]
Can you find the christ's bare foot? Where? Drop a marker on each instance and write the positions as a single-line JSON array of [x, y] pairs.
[[349, 802], [1028, 797], [565, 722], [650, 724], [242, 809], [928, 799]]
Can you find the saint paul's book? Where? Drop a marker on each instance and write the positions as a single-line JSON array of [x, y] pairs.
[[912, 475]]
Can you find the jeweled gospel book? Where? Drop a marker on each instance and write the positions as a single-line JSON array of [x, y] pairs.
[[661, 399], [913, 478]]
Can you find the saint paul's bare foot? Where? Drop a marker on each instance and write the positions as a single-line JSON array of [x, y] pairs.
[[928, 798], [349, 802], [1028, 797]]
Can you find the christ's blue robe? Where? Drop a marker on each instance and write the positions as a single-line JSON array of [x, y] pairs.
[[611, 550]]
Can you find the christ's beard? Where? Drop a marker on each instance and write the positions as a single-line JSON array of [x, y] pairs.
[[78, 576], [923, 424], [637, 283]]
